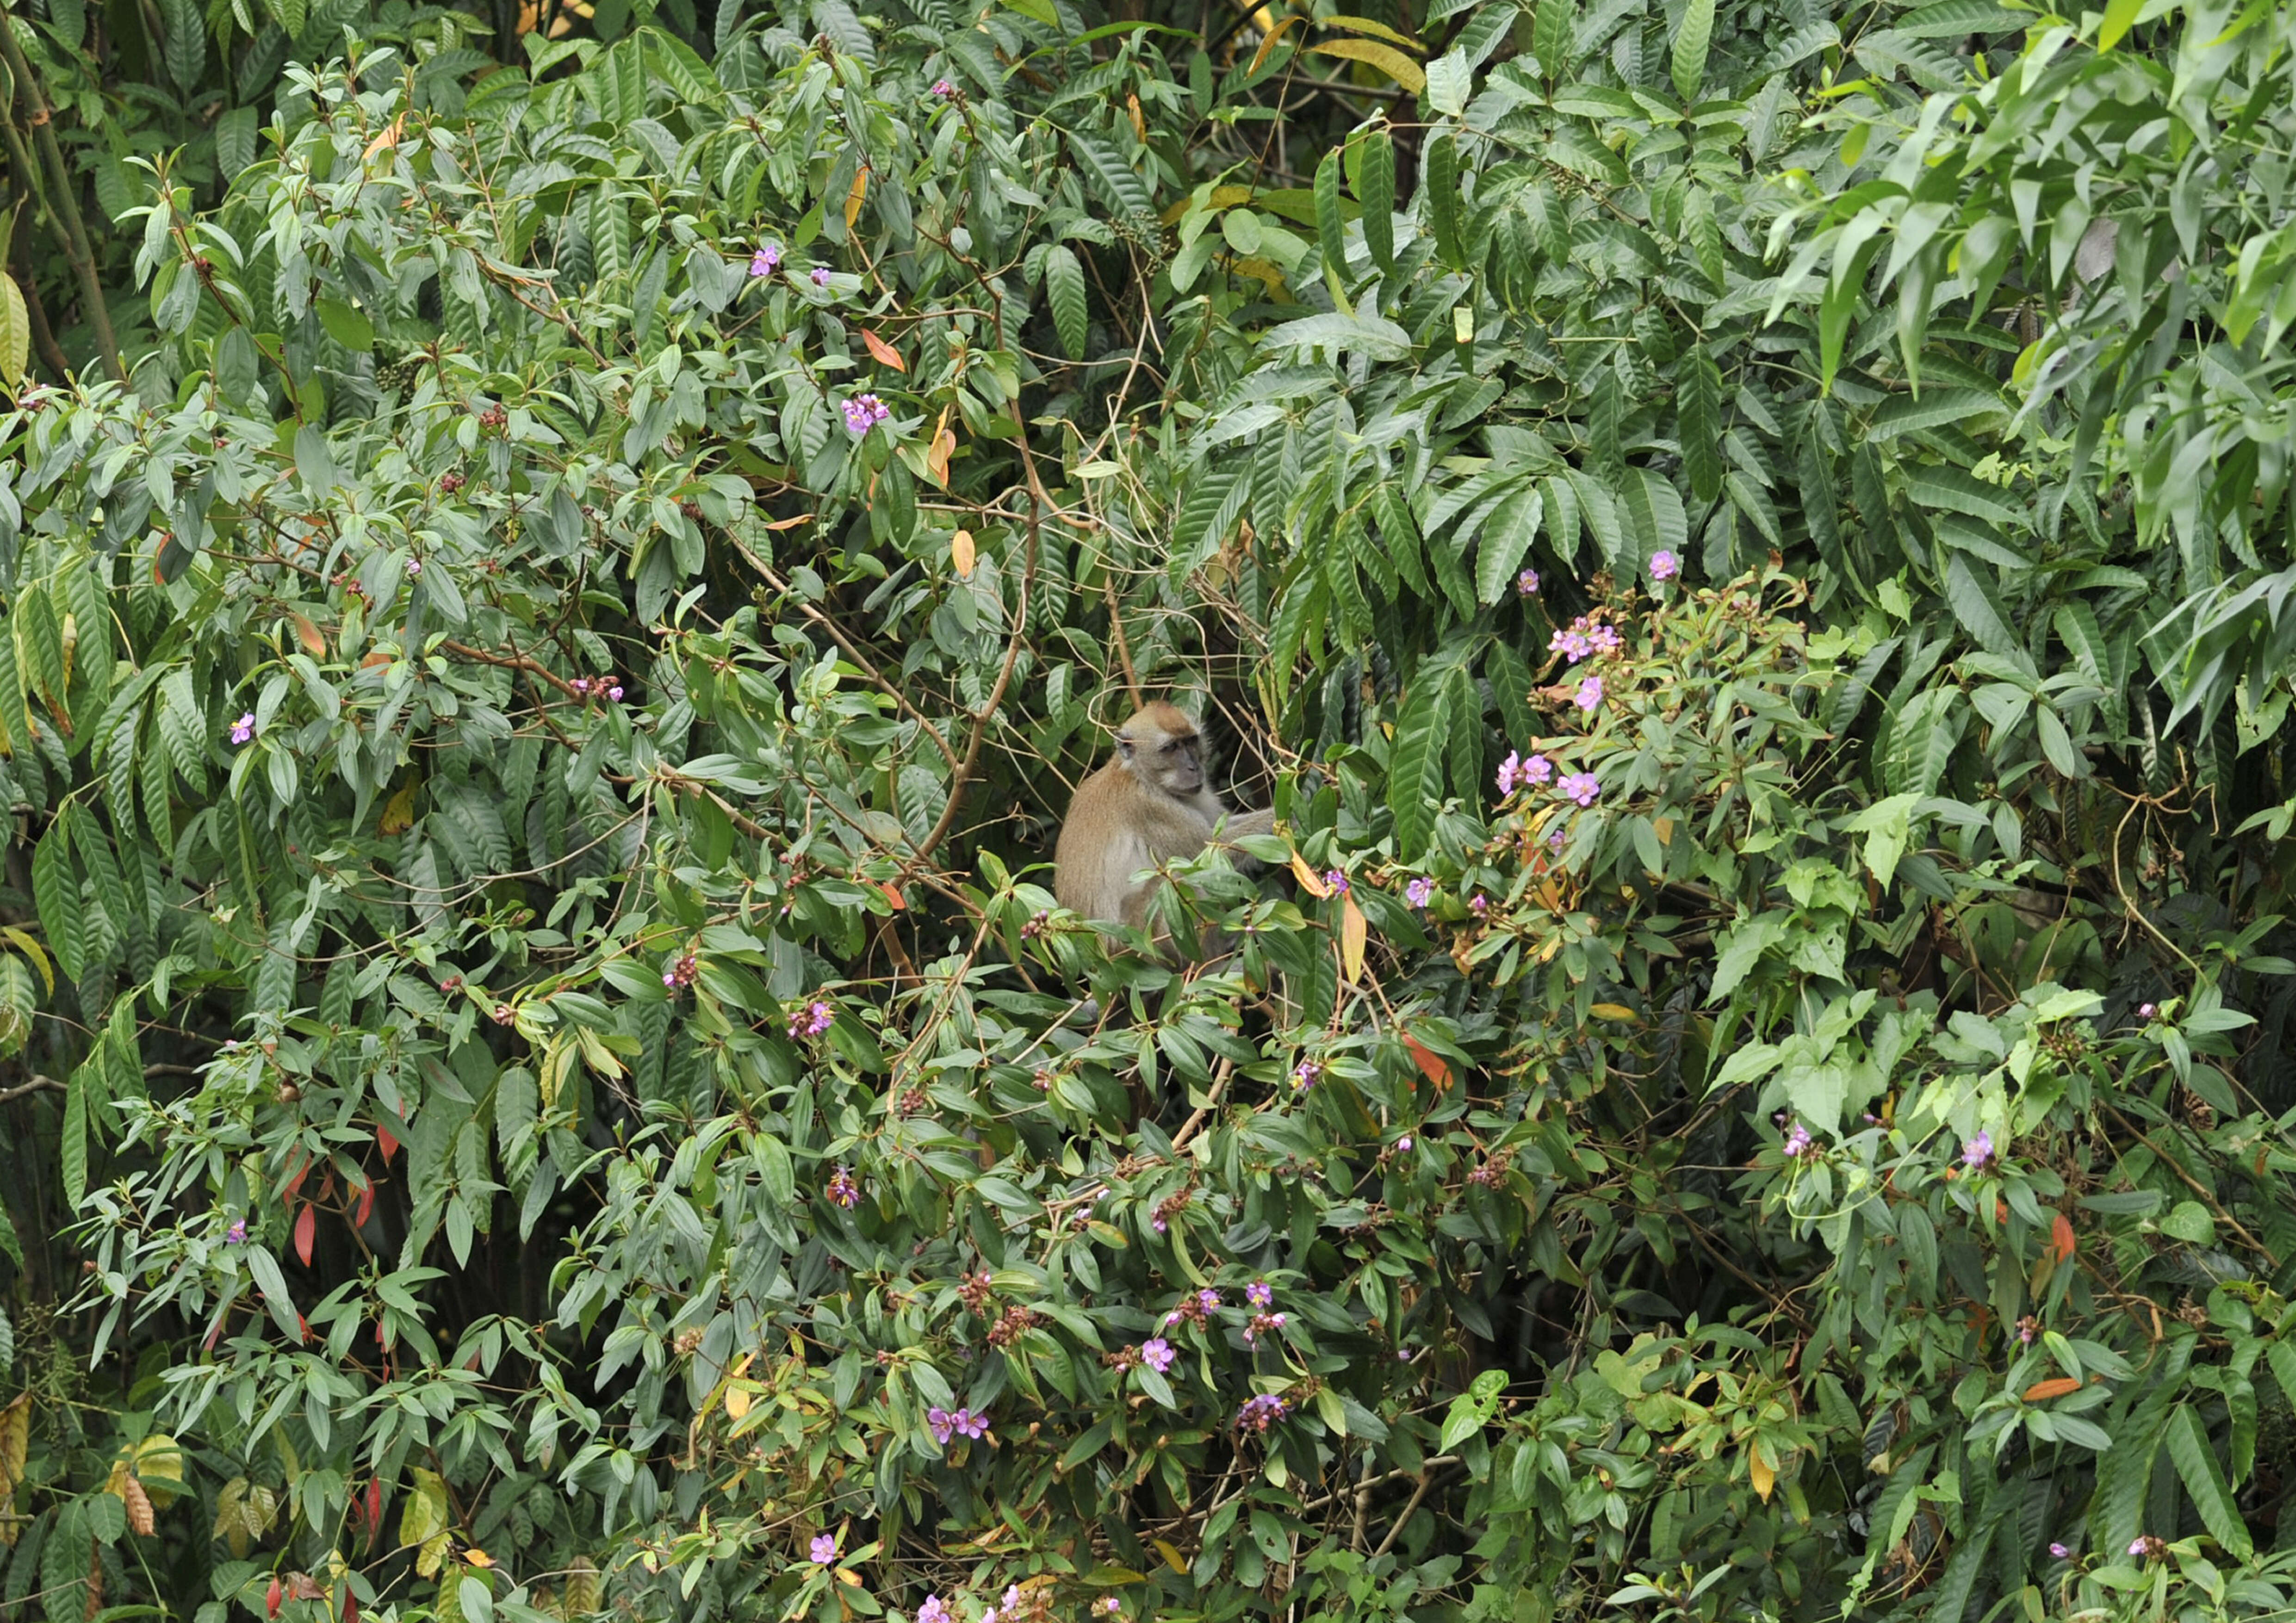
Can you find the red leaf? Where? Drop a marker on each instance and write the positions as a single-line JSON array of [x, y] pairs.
[[386, 1141], [1431, 1065], [303, 1329], [2061, 1232], [365, 1207], [374, 1511], [302, 1165], [883, 351], [350, 1601], [306, 1226], [2041, 1391], [273, 1596]]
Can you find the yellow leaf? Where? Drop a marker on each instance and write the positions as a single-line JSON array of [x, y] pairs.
[[1266, 271], [1139, 123], [1311, 882], [2041, 1391], [1764, 1478], [15, 332], [1612, 1011], [884, 352], [388, 138], [432, 1556], [1364, 25], [478, 1557], [853, 199], [1387, 59], [398, 811], [737, 1401], [846, 1574], [1259, 57], [961, 553], [33, 950], [1170, 1552], [1353, 931], [424, 1518], [942, 448], [1222, 197]]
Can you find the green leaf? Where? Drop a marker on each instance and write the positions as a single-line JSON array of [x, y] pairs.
[[1105, 167], [187, 42], [2120, 17], [56, 890], [15, 332], [1977, 608], [2204, 1480], [347, 326], [1551, 36], [1414, 782], [1698, 407], [1504, 539], [1691, 40], [1375, 173], [72, 1149], [1331, 224], [1653, 509], [1064, 288], [1443, 200]]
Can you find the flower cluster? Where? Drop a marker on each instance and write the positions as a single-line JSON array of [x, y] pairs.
[[1010, 1327], [1586, 638], [1493, 1169], [865, 412], [2028, 1330], [1977, 1152], [1797, 1142], [596, 688], [1197, 1309], [682, 972], [1012, 1608], [1262, 1323], [1259, 1414], [974, 1291], [2149, 1546], [1515, 773], [842, 1190], [1168, 1208], [815, 1018], [961, 1423], [943, 89]]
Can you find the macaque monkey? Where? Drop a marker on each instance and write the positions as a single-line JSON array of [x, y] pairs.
[[1148, 806]]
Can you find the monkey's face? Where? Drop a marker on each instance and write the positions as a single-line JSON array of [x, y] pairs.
[[1172, 762]]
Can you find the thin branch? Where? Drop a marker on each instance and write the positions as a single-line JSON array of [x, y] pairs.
[[62, 199]]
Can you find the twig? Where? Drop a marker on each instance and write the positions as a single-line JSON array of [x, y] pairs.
[[37, 1084], [61, 199]]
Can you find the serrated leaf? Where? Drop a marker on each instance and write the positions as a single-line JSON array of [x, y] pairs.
[[187, 42], [1977, 609], [1108, 171], [1331, 224], [1376, 179], [1442, 171], [1652, 508], [1064, 289], [1415, 784], [55, 891], [1698, 406], [1505, 537], [1688, 66], [2204, 1481]]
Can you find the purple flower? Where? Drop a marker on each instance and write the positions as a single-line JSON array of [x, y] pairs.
[[970, 1424], [615, 692], [1510, 774], [1109, 1605], [2060, 1551], [1589, 695], [816, 1018], [236, 1235], [944, 90], [1479, 904], [1797, 1145], [243, 729], [1259, 1293], [1335, 880], [1419, 892], [1538, 769], [1157, 1353], [1404, 1143], [1259, 1414], [1160, 1226], [1526, 583], [933, 1611], [2142, 1546], [1305, 1076], [766, 260], [823, 1549], [865, 412], [943, 1427], [842, 1190], [1664, 565], [1977, 1152], [1580, 787], [821, 275], [414, 567], [1208, 1300], [1571, 644], [1605, 640], [1012, 1598], [2145, 1010]]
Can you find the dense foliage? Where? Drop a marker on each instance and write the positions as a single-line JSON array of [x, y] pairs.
[[1750, 552]]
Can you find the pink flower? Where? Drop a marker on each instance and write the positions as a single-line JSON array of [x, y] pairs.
[[1526, 583], [1419, 892], [1664, 565], [970, 1424], [823, 1549], [943, 1427], [1259, 1293], [1259, 1414], [243, 729], [1510, 774], [1977, 1152], [766, 260], [682, 972], [933, 1611], [615, 692], [1403, 1144], [1305, 1076], [842, 1190], [1797, 1145], [2145, 1011], [1157, 1353], [943, 89], [1538, 769], [820, 276], [1580, 787], [1479, 904], [1589, 696], [865, 412], [1335, 880], [414, 567], [236, 1235], [816, 1018], [1605, 640], [1571, 644]]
